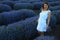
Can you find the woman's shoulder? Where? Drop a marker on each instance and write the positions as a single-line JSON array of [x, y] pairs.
[[49, 10]]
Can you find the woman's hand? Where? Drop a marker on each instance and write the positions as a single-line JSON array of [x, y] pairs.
[[46, 26], [37, 20]]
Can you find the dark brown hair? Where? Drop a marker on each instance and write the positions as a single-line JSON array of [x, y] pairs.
[[45, 3]]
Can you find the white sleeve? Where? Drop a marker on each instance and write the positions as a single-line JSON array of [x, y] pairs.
[[49, 11]]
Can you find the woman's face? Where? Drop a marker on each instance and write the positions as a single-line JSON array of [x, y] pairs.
[[45, 6]]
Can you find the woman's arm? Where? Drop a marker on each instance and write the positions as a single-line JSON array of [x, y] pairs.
[[37, 20], [49, 14]]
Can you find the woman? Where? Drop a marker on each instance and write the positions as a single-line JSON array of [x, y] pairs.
[[43, 16]]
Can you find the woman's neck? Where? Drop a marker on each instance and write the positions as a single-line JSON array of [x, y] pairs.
[[44, 10]]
